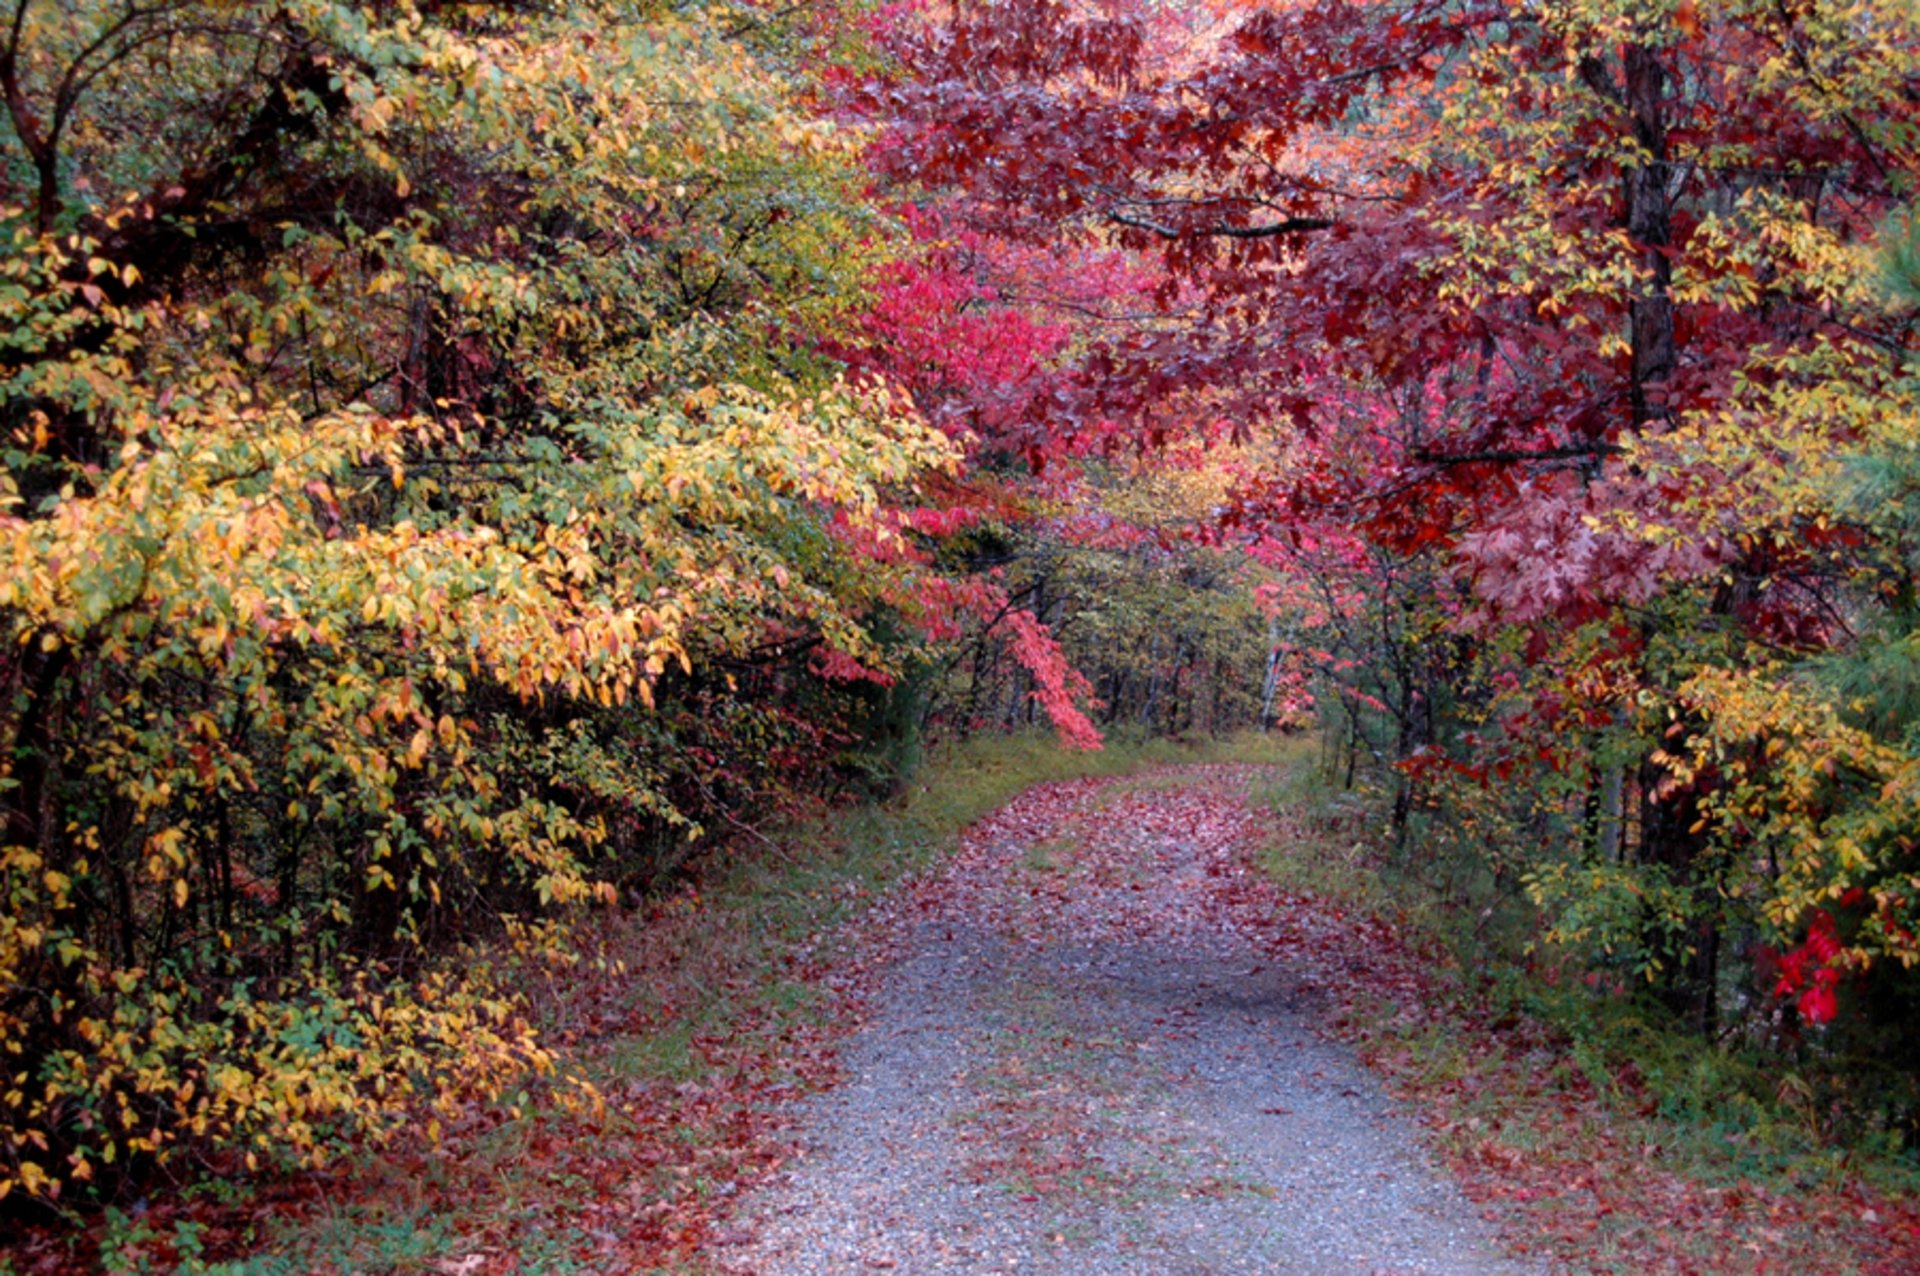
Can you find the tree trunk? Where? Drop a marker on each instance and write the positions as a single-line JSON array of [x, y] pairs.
[[1668, 839], [1650, 226]]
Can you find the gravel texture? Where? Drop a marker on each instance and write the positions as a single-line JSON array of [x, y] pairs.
[[1083, 1053]]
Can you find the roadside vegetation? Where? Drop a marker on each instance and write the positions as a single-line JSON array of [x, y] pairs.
[[1606, 1136]]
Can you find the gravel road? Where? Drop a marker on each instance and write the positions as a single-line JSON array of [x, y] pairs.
[[1084, 1053]]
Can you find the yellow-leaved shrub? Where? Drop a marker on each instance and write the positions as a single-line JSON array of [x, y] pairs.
[[418, 499]]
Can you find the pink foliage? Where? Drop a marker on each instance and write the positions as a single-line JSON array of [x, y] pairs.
[[943, 327], [837, 666], [1553, 551], [1060, 688]]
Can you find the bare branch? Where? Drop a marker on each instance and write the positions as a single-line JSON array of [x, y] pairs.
[[1271, 230], [1514, 456]]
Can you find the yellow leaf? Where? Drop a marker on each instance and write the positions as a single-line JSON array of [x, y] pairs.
[[180, 892]]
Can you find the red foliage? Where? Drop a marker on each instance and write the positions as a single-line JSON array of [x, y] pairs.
[[1811, 973]]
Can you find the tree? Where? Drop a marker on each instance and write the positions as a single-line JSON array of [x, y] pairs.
[[1575, 253], [416, 435]]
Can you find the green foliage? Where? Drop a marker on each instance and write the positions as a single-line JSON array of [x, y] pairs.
[[1632, 916], [1170, 633]]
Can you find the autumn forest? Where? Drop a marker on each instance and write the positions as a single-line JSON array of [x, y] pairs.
[[475, 473]]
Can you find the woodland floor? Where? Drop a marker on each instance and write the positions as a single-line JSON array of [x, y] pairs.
[[1090, 1047]]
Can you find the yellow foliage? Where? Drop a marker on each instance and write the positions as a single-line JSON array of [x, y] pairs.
[[1821, 807], [350, 559]]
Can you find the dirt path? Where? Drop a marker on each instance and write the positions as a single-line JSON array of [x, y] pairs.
[[1089, 1050]]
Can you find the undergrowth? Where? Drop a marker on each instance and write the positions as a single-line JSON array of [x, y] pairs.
[[1579, 1058], [677, 1026]]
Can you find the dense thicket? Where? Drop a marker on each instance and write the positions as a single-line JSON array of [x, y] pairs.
[[421, 505]]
